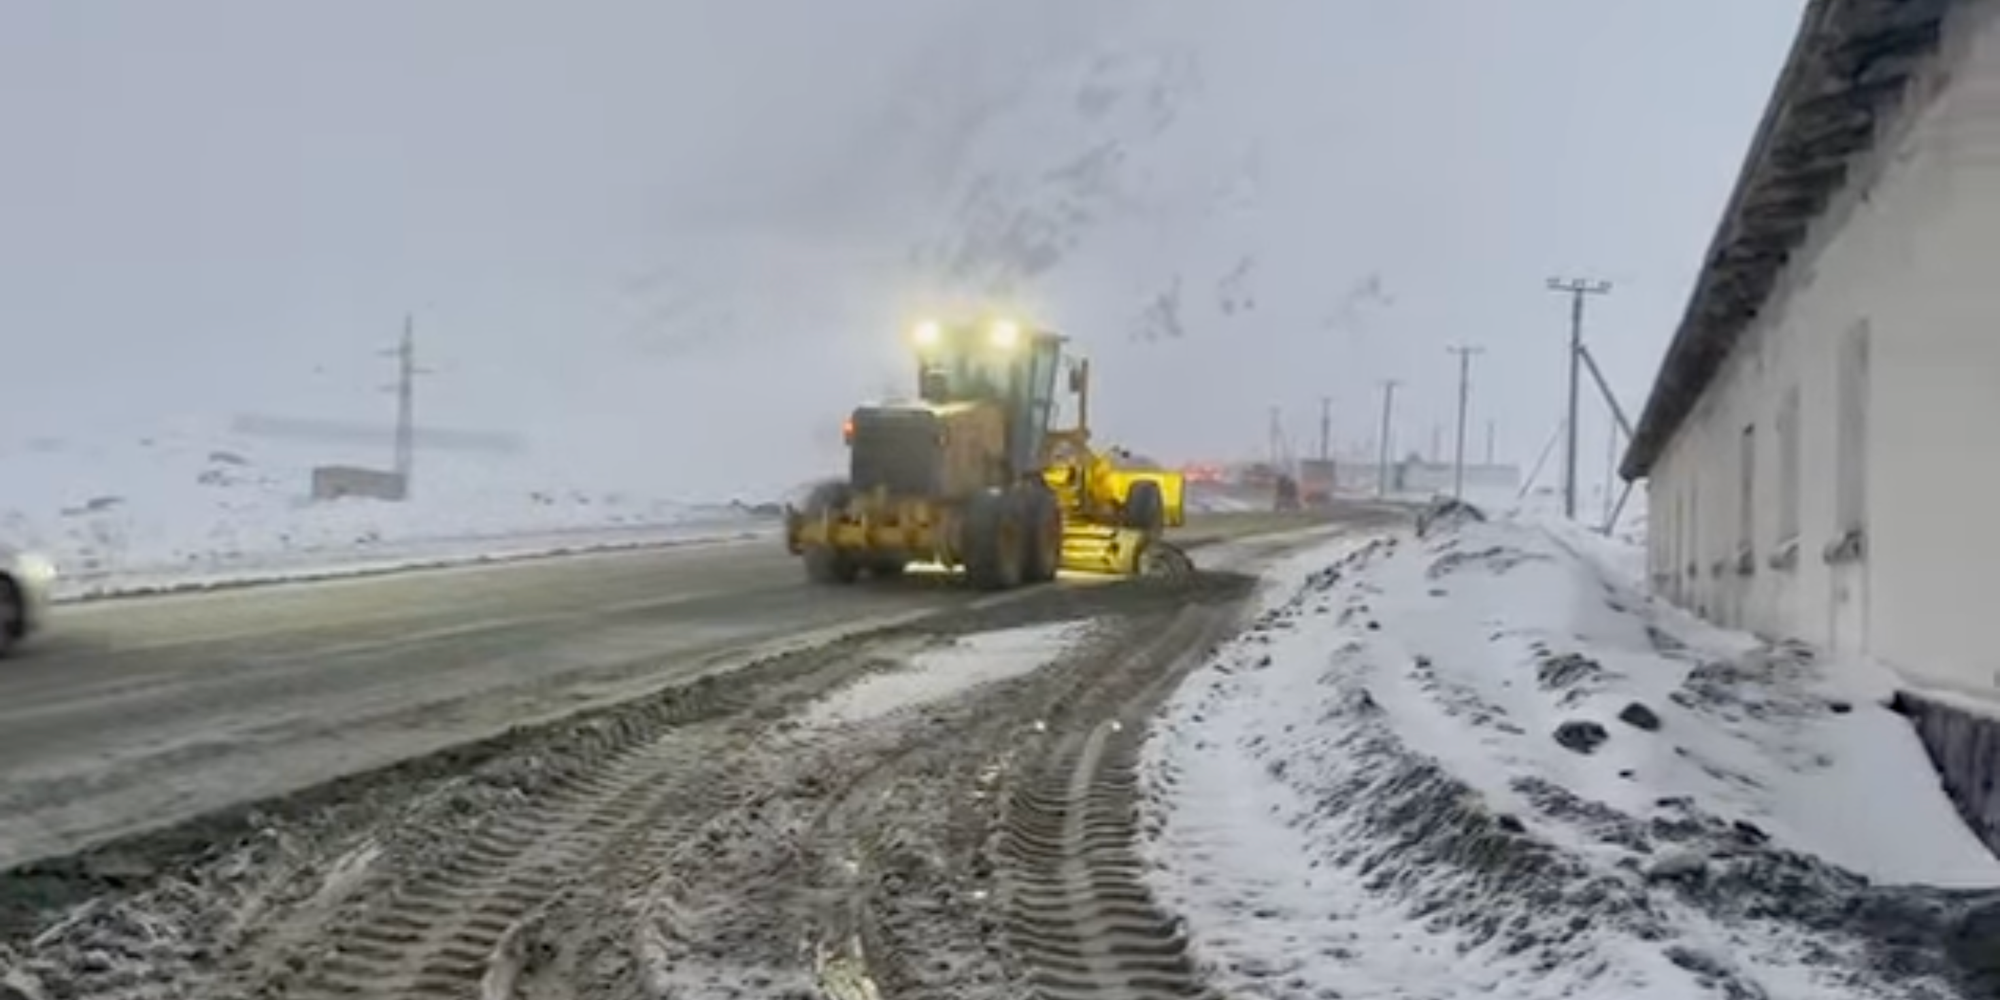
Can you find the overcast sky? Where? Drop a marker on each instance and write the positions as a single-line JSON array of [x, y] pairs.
[[671, 241]]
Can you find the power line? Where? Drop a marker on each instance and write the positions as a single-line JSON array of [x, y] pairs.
[[1465, 354], [1576, 289]]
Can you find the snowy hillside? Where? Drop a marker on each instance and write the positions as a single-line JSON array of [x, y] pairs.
[[193, 505]]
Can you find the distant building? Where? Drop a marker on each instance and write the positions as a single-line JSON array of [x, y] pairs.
[[337, 482], [1820, 446]]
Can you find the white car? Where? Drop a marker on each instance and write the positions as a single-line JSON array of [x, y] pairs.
[[26, 584]]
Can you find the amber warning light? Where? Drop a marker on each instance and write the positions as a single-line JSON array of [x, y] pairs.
[[847, 430]]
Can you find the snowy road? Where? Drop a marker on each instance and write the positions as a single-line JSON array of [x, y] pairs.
[[142, 712], [895, 799]]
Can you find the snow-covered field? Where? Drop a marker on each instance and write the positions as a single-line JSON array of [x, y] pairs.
[[194, 507], [1481, 761]]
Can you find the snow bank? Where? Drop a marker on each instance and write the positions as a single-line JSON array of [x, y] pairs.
[[190, 508], [938, 672], [1483, 761]]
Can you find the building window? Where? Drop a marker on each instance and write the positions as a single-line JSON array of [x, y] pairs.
[[1696, 543], [1746, 499], [1788, 467], [1850, 498], [1678, 566]]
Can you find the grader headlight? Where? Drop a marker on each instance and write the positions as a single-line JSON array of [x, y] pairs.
[[1006, 334], [927, 333]]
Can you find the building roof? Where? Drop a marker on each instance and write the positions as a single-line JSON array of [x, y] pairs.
[[1847, 70]]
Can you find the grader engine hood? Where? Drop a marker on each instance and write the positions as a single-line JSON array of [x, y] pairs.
[[924, 450], [897, 449]]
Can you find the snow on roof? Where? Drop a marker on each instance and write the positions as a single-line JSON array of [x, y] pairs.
[[1846, 73]]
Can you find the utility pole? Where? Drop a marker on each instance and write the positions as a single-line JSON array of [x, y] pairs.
[[1276, 435], [1610, 469], [1576, 289], [1388, 406], [1620, 424], [1325, 427], [405, 388], [1465, 353], [1540, 460]]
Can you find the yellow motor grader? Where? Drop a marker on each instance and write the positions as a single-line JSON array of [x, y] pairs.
[[970, 473]]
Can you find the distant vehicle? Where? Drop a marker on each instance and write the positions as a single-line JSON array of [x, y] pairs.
[[26, 584], [1316, 482], [1202, 472], [1287, 498]]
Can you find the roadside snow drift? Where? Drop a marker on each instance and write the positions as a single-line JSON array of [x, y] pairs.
[[1480, 761]]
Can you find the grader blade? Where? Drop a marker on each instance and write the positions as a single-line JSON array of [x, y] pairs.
[[1098, 548], [1101, 549]]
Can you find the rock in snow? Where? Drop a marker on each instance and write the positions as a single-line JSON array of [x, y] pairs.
[[1678, 865], [1581, 735], [1639, 716]]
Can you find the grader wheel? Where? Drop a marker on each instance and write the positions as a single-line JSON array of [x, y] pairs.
[[1160, 560], [824, 563], [1145, 508], [828, 565], [996, 542], [1041, 517]]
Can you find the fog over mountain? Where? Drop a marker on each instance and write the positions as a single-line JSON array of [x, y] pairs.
[[669, 244]]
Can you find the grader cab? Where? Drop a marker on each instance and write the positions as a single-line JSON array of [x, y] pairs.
[[972, 474]]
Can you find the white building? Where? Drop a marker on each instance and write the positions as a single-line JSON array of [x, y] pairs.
[[1822, 446]]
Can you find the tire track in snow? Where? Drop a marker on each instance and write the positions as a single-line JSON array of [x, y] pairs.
[[436, 934], [1078, 912], [445, 931], [463, 876]]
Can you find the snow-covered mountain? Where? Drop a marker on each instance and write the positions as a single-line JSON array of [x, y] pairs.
[[1113, 177]]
